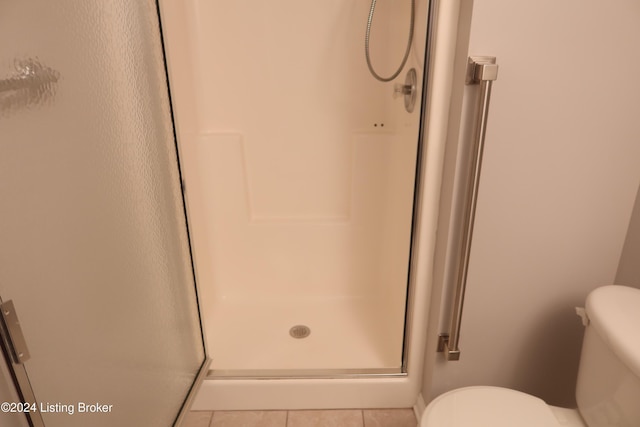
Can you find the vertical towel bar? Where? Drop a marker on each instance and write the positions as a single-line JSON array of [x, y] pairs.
[[482, 70]]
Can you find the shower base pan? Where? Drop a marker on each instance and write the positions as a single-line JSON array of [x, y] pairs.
[[295, 337]]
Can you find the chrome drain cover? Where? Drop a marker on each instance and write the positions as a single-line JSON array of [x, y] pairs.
[[299, 331]]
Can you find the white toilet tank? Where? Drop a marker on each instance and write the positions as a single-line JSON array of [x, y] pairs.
[[608, 388]]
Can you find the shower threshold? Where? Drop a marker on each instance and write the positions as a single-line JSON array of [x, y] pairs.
[[288, 374]]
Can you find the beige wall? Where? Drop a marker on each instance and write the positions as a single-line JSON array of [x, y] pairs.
[[558, 185], [629, 267]]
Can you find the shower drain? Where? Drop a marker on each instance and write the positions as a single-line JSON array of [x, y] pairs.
[[300, 331]]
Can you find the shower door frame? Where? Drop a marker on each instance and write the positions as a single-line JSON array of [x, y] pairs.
[[418, 189]]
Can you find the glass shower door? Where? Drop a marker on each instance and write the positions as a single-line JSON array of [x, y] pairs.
[[94, 250]]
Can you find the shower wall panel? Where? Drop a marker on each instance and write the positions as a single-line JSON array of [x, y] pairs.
[[298, 150]]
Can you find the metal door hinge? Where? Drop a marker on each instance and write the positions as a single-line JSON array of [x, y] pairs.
[[13, 333]]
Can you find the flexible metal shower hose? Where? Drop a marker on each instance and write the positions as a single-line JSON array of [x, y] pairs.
[[406, 53]]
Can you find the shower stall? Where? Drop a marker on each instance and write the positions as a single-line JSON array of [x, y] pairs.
[[304, 186], [272, 153]]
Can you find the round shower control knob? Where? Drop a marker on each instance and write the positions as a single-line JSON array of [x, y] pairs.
[[408, 90], [400, 89]]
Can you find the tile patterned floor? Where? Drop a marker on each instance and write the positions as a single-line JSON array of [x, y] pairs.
[[311, 418]]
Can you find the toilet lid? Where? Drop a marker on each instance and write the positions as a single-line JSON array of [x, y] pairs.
[[488, 406]]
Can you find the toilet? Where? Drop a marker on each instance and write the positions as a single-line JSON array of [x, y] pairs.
[[608, 387]]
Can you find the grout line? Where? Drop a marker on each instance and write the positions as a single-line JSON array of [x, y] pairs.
[[286, 420], [362, 415]]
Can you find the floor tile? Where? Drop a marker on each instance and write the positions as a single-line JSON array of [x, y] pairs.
[[389, 418], [249, 419], [197, 419], [332, 418]]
